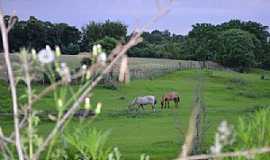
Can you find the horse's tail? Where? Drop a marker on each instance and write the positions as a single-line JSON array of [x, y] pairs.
[[155, 102]]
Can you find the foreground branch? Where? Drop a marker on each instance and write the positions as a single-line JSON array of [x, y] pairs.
[[6, 140], [4, 33], [245, 153]]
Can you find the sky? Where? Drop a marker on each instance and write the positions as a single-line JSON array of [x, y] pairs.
[[135, 13]]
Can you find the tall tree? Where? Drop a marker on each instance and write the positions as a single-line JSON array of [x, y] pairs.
[[237, 49], [94, 32]]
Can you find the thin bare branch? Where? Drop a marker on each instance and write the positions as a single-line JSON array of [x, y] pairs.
[[11, 22], [6, 139], [4, 33]]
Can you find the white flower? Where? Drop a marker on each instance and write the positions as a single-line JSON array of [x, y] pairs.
[[216, 148], [65, 73], [46, 55], [84, 67], [95, 51], [102, 57], [223, 128], [224, 136], [110, 156]]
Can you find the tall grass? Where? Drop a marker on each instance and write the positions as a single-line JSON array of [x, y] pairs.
[[251, 132]]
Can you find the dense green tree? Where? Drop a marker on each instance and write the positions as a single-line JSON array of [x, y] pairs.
[[35, 33], [202, 39], [107, 43], [236, 49], [221, 43], [94, 32], [260, 31]]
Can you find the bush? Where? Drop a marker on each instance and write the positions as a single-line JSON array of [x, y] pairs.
[[71, 49], [112, 85], [249, 94], [238, 81], [88, 143]]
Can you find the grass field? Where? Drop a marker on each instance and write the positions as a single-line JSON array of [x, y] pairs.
[[227, 96]]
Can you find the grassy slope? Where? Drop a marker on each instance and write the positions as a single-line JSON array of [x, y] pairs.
[[161, 134], [227, 101]]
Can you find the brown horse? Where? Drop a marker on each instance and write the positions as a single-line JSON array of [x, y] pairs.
[[170, 96]]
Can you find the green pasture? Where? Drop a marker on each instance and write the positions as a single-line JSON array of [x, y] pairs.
[[227, 96]]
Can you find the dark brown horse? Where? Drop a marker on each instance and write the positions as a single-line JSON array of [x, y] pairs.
[[170, 96]]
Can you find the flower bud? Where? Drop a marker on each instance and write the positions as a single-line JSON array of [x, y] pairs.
[[98, 109], [57, 51], [34, 54], [87, 104], [60, 103], [99, 50], [88, 75], [52, 117], [94, 51]]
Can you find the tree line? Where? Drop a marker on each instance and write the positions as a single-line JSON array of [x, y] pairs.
[[237, 44]]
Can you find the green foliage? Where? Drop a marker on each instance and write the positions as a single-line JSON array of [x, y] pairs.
[[94, 32], [5, 102], [88, 144], [201, 42], [107, 43], [253, 131], [204, 42], [35, 33], [159, 44], [236, 49]]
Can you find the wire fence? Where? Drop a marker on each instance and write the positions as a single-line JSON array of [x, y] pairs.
[[139, 68]]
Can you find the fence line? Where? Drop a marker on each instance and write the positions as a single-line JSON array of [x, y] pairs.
[[193, 137], [140, 68]]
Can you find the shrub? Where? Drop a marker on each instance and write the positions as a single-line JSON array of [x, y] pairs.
[[88, 143], [71, 48], [253, 131], [249, 94], [112, 85], [238, 81]]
